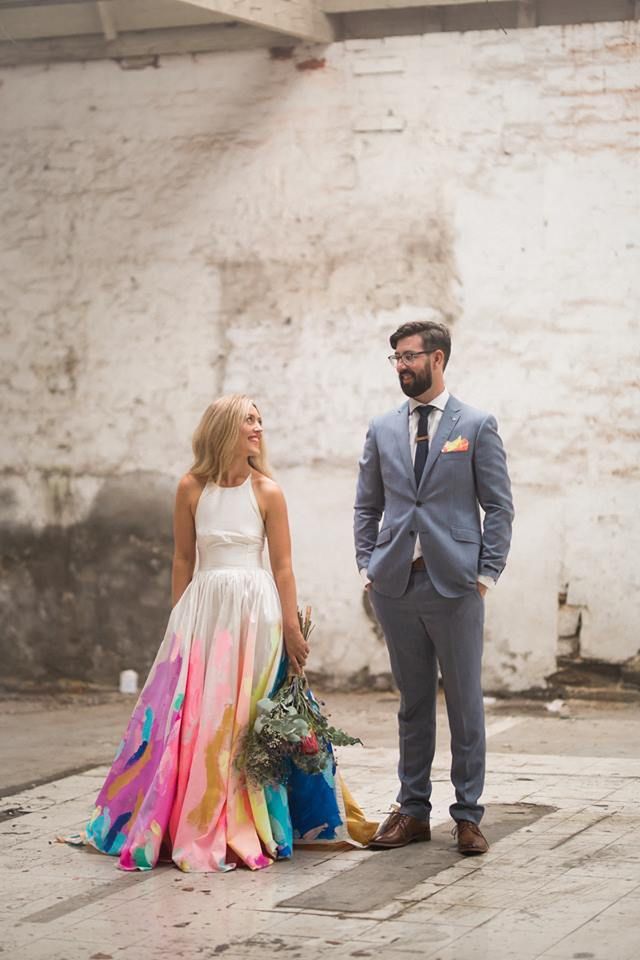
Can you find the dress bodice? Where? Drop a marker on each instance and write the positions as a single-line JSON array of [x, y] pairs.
[[229, 528]]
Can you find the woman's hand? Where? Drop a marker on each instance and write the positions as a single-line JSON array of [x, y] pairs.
[[297, 648]]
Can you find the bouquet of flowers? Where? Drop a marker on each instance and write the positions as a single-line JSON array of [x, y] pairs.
[[289, 728]]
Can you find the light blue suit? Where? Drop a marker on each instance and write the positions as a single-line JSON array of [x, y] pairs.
[[435, 617]]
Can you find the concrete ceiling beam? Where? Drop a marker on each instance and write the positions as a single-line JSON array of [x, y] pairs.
[[294, 18], [358, 6]]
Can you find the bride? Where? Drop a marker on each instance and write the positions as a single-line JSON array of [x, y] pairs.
[[174, 790]]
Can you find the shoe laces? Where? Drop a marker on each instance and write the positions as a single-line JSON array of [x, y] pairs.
[[396, 817], [473, 827]]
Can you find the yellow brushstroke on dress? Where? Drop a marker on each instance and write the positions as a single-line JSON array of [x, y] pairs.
[[261, 688], [242, 807], [256, 795], [136, 809], [242, 836], [129, 774], [267, 678], [214, 759], [360, 829], [261, 819]]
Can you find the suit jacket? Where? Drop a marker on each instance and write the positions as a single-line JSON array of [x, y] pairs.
[[466, 469]]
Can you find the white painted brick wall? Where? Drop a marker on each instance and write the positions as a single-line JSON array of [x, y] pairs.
[[227, 222]]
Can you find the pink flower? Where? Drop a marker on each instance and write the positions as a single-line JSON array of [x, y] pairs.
[[310, 744]]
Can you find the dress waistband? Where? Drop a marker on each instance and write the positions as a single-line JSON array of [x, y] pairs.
[[219, 556]]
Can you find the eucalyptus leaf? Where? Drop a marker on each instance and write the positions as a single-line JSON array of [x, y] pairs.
[[265, 705], [291, 713]]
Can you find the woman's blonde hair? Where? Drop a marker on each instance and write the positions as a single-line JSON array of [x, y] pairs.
[[216, 438]]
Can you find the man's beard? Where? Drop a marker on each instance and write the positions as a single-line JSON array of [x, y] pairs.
[[416, 383]]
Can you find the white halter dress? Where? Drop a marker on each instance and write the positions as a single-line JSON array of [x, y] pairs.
[[173, 778], [174, 790]]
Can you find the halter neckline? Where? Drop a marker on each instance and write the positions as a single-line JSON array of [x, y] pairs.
[[231, 486]]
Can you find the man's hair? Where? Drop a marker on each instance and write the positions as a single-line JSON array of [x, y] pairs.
[[435, 336]]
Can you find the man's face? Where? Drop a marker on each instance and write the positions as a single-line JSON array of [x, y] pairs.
[[416, 376]]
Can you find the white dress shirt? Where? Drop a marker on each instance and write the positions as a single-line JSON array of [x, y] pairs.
[[435, 416], [438, 403]]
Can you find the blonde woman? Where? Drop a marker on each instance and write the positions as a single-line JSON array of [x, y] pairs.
[[174, 790]]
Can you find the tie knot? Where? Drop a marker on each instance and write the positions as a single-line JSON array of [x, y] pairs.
[[425, 410]]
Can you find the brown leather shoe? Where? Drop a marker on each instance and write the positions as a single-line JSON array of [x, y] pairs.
[[398, 830], [471, 840]]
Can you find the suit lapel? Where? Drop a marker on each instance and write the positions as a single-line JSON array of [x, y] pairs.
[[448, 420], [402, 440]]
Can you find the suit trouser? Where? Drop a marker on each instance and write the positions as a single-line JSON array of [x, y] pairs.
[[423, 629]]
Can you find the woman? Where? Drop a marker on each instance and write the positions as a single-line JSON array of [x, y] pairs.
[[174, 789]]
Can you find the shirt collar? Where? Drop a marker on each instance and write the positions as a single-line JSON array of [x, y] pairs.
[[440, 401]]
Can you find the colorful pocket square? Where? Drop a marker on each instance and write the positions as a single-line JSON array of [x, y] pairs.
[[459, 445]]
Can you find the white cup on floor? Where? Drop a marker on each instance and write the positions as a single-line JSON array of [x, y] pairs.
[[128, 681]]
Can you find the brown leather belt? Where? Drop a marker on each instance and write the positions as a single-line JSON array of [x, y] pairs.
[[418, 564]]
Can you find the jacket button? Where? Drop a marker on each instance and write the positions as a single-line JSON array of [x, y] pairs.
[[418, 503], [412, 533]]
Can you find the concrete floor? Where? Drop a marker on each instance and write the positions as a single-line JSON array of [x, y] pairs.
[[562, 879]]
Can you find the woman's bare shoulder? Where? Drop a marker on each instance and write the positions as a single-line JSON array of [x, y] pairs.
[[268, 490], [189, 482], [190, 487]]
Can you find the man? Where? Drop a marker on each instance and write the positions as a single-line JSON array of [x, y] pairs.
[[428, 467]]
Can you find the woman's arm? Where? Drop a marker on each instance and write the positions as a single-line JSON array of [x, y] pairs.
[[184, 536], [279, 541]]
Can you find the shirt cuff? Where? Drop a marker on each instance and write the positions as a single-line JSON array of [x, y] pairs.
[[365, 576], [486, 581]]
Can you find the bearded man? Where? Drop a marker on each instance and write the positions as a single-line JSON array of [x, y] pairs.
[[426, 470]]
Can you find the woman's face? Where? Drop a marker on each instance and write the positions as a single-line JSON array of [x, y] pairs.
[[250, 434]]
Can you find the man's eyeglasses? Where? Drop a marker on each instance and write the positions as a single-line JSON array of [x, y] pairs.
[[407, 358]]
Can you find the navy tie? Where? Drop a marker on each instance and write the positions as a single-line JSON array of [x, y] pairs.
[[422, 441]]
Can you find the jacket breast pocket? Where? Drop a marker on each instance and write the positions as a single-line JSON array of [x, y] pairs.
[[454, 456], [466, 535], [383, 537]]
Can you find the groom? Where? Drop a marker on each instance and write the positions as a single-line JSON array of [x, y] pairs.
[[426, 469]]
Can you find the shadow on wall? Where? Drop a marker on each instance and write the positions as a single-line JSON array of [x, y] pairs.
[[85, 601]]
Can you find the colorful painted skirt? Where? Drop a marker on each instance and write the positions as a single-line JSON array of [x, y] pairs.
[[173, 791]]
